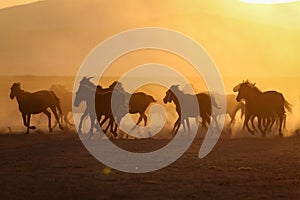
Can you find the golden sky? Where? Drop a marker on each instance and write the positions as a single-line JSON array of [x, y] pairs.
[[10, 3], [243, 39]]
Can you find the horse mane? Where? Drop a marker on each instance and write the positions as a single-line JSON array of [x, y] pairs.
[[252, 85]]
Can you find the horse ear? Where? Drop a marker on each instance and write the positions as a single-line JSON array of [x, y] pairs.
[[89, 78], [236, 88], [254, 84]]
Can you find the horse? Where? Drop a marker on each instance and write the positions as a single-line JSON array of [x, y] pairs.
[[204, 110], [97, 104], [65, 97], [138, 103], [35, 103], [267, 106]]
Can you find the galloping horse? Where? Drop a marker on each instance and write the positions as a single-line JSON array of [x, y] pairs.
[[204, 107], [138, 103], [267, 106], [65, 97], [34, 103], [97, 104]]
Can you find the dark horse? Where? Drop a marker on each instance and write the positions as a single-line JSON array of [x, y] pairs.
[[204, 110], [267, 106], [138, 103], [97, 104], [34, 103]]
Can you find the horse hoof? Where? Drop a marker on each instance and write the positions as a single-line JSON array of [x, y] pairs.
[[115, 134], [32, 127], [280, 134], [50, 130]]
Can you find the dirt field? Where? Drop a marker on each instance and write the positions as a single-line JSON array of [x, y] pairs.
[[57, 166]]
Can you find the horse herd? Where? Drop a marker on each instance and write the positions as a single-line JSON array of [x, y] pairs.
[[262, 109]]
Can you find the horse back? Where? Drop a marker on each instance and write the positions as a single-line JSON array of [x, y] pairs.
[[38, 101]]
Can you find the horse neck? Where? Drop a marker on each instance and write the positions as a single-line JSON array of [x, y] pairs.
[[252, 95], [20, 96], [175, 99]]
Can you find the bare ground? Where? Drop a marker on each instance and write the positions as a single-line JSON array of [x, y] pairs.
[[57, 166]]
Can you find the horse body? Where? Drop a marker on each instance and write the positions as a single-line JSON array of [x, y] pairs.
[[34, 103], [266, 106], [138, 103], [188, 102]]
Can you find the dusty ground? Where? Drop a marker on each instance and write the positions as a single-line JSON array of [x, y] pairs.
[[57, 166]]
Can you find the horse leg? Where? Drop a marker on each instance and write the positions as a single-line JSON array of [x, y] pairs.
[[140, 119], [272, 124], [247, 117], [176, 125], [280, 125], [81, 120], [252, 124], [28, 123], [109, 123], [267, 125], [183, 124], [112, 130], [103, 121], [93, 119], [53, 109], [260, 122], [25, 122], [145, 118], [188, 125], [46, 112]]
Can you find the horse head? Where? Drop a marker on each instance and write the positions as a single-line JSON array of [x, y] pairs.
[[14, 90], [87, 82], [169, 94], [245, 89], [82, 94]]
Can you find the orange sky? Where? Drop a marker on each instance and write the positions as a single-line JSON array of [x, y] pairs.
[[10, 3], [243, 39]]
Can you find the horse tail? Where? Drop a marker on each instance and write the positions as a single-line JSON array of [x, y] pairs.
[[288, 106], [152, 99], [57, 103]]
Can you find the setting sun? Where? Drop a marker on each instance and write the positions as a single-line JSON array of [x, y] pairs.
[[268, 1]]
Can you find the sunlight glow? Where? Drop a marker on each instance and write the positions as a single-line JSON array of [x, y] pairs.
[[11, 3], [268, 1]]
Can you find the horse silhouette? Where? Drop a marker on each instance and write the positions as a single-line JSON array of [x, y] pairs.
[[65, 97], [35, 103], [138, 103], [87, 92], [266, 106], [204, 107]]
